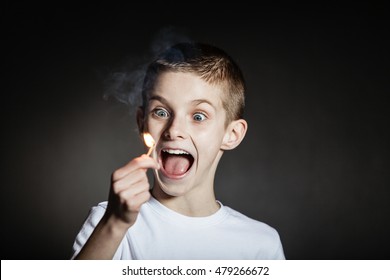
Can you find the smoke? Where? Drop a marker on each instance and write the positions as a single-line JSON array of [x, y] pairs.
[[125, 84]]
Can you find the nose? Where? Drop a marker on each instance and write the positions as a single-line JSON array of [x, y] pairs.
[[176, 129]]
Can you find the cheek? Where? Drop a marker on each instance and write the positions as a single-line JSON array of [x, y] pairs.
[[208, 141], [155, 128]]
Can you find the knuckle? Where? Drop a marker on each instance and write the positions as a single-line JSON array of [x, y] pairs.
[[138, 160], [117, 174]]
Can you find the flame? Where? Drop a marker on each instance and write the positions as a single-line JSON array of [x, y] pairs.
[[149, 141]]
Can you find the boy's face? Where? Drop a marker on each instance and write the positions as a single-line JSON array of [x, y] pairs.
[[186, 118]]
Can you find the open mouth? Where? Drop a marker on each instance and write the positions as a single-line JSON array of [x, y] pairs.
[[176, 163]]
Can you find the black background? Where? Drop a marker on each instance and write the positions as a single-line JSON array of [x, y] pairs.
[[315, 161]]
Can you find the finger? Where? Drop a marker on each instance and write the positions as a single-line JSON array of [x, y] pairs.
[[129, 183], [129, 180], [130, 193], [137, 201], [142, 162]]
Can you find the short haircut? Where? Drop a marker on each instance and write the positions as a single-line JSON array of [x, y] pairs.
[[211, 64]]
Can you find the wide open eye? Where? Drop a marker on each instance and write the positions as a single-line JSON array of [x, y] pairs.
[[199, 117], [161, 113]]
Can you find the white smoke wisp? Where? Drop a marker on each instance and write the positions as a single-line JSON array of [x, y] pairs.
[[126, 84]]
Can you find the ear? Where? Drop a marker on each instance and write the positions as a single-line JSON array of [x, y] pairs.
[[140, 120], [235, 133]]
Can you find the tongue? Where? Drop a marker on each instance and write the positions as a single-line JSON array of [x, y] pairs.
[[176, 165]]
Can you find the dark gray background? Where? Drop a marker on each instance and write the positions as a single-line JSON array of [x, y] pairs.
[[315, 161]]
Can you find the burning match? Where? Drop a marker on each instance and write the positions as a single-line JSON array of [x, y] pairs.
[[149, 141]]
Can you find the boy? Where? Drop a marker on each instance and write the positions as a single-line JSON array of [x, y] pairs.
[[193, 100]]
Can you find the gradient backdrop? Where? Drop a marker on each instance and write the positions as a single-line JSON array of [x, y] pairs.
[[314, 164]]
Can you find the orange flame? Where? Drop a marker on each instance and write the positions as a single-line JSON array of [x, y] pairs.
[[149, 141]]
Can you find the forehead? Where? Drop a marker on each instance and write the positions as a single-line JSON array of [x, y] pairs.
[[183, 87]]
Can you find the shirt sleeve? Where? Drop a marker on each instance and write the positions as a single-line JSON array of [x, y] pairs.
[[93, 218]]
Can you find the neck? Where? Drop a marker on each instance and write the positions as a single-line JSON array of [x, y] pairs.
[[195, 204]]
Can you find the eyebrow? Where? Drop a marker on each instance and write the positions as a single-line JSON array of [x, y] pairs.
[[194, 102], [158, 98], [200, 101]]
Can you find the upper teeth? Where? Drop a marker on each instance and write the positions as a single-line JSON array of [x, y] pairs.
[[175, 152]]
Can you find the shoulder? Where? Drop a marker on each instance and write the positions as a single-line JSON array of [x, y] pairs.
[[246, 222]]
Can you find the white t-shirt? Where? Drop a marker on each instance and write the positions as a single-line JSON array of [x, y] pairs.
[[161, 233]]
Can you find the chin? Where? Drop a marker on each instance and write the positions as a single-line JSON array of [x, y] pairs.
[[175, 187]]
